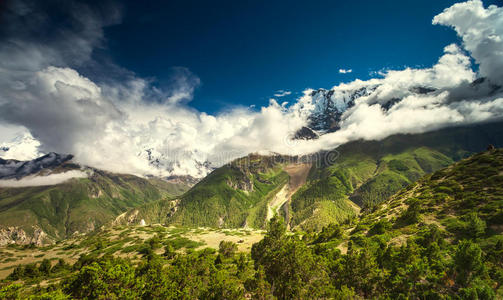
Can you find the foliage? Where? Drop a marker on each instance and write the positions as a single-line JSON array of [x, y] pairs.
[[422, 243], [227, 249]]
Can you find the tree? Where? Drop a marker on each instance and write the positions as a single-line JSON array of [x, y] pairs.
[[413, 213], [468, 262], [10, 292], [17, 273], [106, 279], [227, 248], [259, 287], [475, 226], [60, 266], [291, 268], [45, 267], [380, 227], [169, 251]]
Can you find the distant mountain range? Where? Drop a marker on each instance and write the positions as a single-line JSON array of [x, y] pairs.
[[364, 173], [36, 208], [309, 192], [11, 168]]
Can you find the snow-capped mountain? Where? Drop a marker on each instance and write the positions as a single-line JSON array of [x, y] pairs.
[[331, 104], [179, 164], [15, 169], [323, 109], [22, 147]]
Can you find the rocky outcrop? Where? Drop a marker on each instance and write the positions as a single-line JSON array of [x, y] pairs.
[[243, 184], [16, 235], [305, 133], [126, 218]]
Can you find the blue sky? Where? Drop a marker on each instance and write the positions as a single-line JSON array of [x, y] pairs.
[[243, 51]]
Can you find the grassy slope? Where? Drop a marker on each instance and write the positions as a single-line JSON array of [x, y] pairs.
[[78, 204], [225, 197], [450, 199], [364, 174], [368, 172]]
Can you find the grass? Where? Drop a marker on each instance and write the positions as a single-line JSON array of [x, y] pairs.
[[462, 200], [229, 197]]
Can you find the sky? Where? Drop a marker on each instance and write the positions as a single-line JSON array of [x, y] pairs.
[[183, 87], [244, 51]]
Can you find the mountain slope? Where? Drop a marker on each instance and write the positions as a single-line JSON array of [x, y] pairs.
[[249, 190], [46, 213], [439, 238], [465, 200], [367, 172], [234, 195]]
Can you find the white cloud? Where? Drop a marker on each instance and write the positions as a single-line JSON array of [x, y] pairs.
[[345, 71], [282, 93], [482, 32], [51, 179]]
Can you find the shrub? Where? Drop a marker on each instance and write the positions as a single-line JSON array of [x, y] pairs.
[[475, 226], [10, 292], [380, 227], [45, 267], [412, 215], [468, 261], [227, 248]]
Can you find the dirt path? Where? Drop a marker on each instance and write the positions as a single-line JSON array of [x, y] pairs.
[[298, 175]]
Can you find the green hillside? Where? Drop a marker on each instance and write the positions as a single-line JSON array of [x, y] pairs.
[[78, 205], [234, 195], [363, 174], [368, 172], [439, 238]]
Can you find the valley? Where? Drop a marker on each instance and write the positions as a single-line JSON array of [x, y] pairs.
[[238, 150], [297, 174], [443, 232], [230, 232]]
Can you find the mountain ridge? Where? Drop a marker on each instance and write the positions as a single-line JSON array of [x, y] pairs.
[[73, 206], [364, 173]]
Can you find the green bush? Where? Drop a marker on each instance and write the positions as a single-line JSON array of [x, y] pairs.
[[227, 248], [381, 227]]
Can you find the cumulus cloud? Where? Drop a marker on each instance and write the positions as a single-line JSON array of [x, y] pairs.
[[482, 32], [141, 126], [345, 71], [282, 93], [407, 101], [50, 179]]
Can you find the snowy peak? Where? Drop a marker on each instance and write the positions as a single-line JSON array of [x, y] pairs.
[[324, 108], [15, 169], [176, 164], [23, 147]]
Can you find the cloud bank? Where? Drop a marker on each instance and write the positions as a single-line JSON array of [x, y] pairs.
[[50, 179], [129, 124]]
